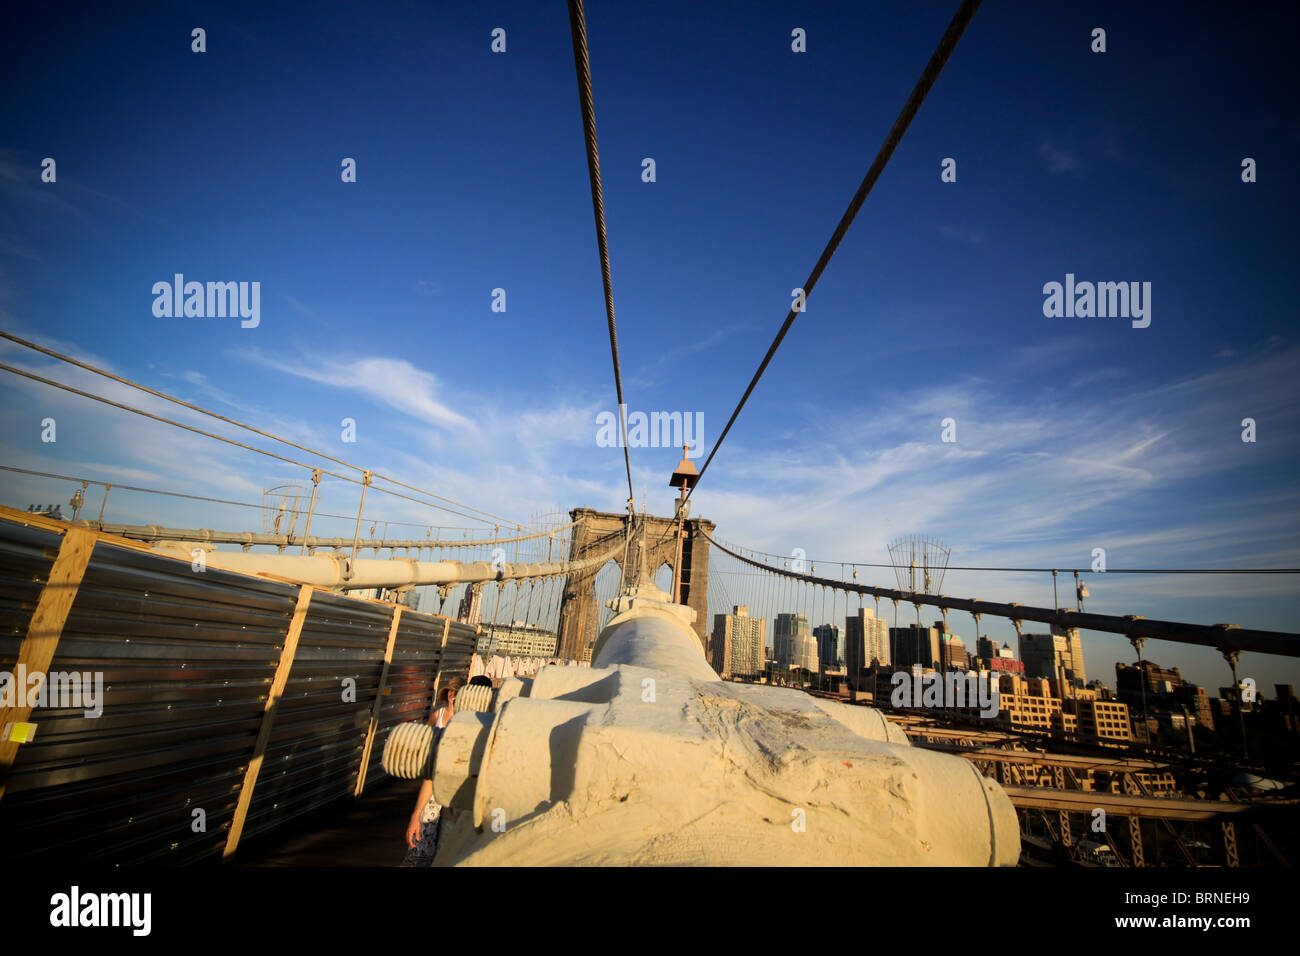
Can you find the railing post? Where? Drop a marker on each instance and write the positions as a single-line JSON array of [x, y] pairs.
[[356, 535], [268, 720], [43, 633], [379, 700], [311, 508]]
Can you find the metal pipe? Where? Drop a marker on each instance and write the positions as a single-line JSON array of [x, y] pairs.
[[332, 570], [153, 533]]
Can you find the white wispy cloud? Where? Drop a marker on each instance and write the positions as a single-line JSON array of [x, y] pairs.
[[389, 381]]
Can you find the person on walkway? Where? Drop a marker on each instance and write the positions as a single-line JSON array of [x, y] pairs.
[[423, 828]]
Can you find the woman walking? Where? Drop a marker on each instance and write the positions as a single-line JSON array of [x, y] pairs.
[[426, 819]]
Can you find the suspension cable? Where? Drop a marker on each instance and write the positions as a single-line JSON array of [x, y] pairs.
[[931, 73], [238, 424], [427, 543], [229, 441], [1224, 637], [867, 564], [578, 27]]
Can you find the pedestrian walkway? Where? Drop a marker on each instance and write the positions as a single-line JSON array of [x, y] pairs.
[[365, 832]]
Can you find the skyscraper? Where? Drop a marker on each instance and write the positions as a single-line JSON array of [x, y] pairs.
[[866, 639], [794, 643], [1053, 655], [953, 653], [737, 645], [1075, 671], [830, 646], [914, 645]]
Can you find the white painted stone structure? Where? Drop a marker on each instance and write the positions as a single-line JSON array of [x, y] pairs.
[[647, 758]]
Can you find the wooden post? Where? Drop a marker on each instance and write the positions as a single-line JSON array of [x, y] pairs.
[[45, 629], [437, 679], [268, 720], [379, 700]]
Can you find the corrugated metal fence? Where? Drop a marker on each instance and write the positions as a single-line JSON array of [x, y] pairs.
[[231, 703]]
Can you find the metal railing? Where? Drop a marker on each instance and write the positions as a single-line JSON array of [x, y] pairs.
[[230, 703]]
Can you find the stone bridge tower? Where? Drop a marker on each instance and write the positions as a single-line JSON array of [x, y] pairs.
[[596, 531]]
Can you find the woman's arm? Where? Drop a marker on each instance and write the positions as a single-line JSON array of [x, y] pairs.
[[413, 825]]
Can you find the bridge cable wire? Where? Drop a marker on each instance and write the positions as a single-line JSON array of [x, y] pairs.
[[1223, 637], [431, 543], [949, 40], [582, 65], [864, 564], [238, 424], [229, 441]]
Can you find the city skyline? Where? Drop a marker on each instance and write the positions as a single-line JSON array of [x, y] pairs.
[[1072, 640]]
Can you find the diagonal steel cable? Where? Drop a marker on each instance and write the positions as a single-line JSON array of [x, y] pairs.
[[931, 73], [229, 441], [257, 431]]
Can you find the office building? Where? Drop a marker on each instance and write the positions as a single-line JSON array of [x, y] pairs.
[[1166, 693], [866, 642], [794, 643], [953, 654], [914, 645], [517, 640], [830, 646], [1055, 656], [737, 647], [1000, 659], [1107, 719]]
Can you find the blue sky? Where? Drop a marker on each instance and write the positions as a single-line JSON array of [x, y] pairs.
[[375, 296]]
